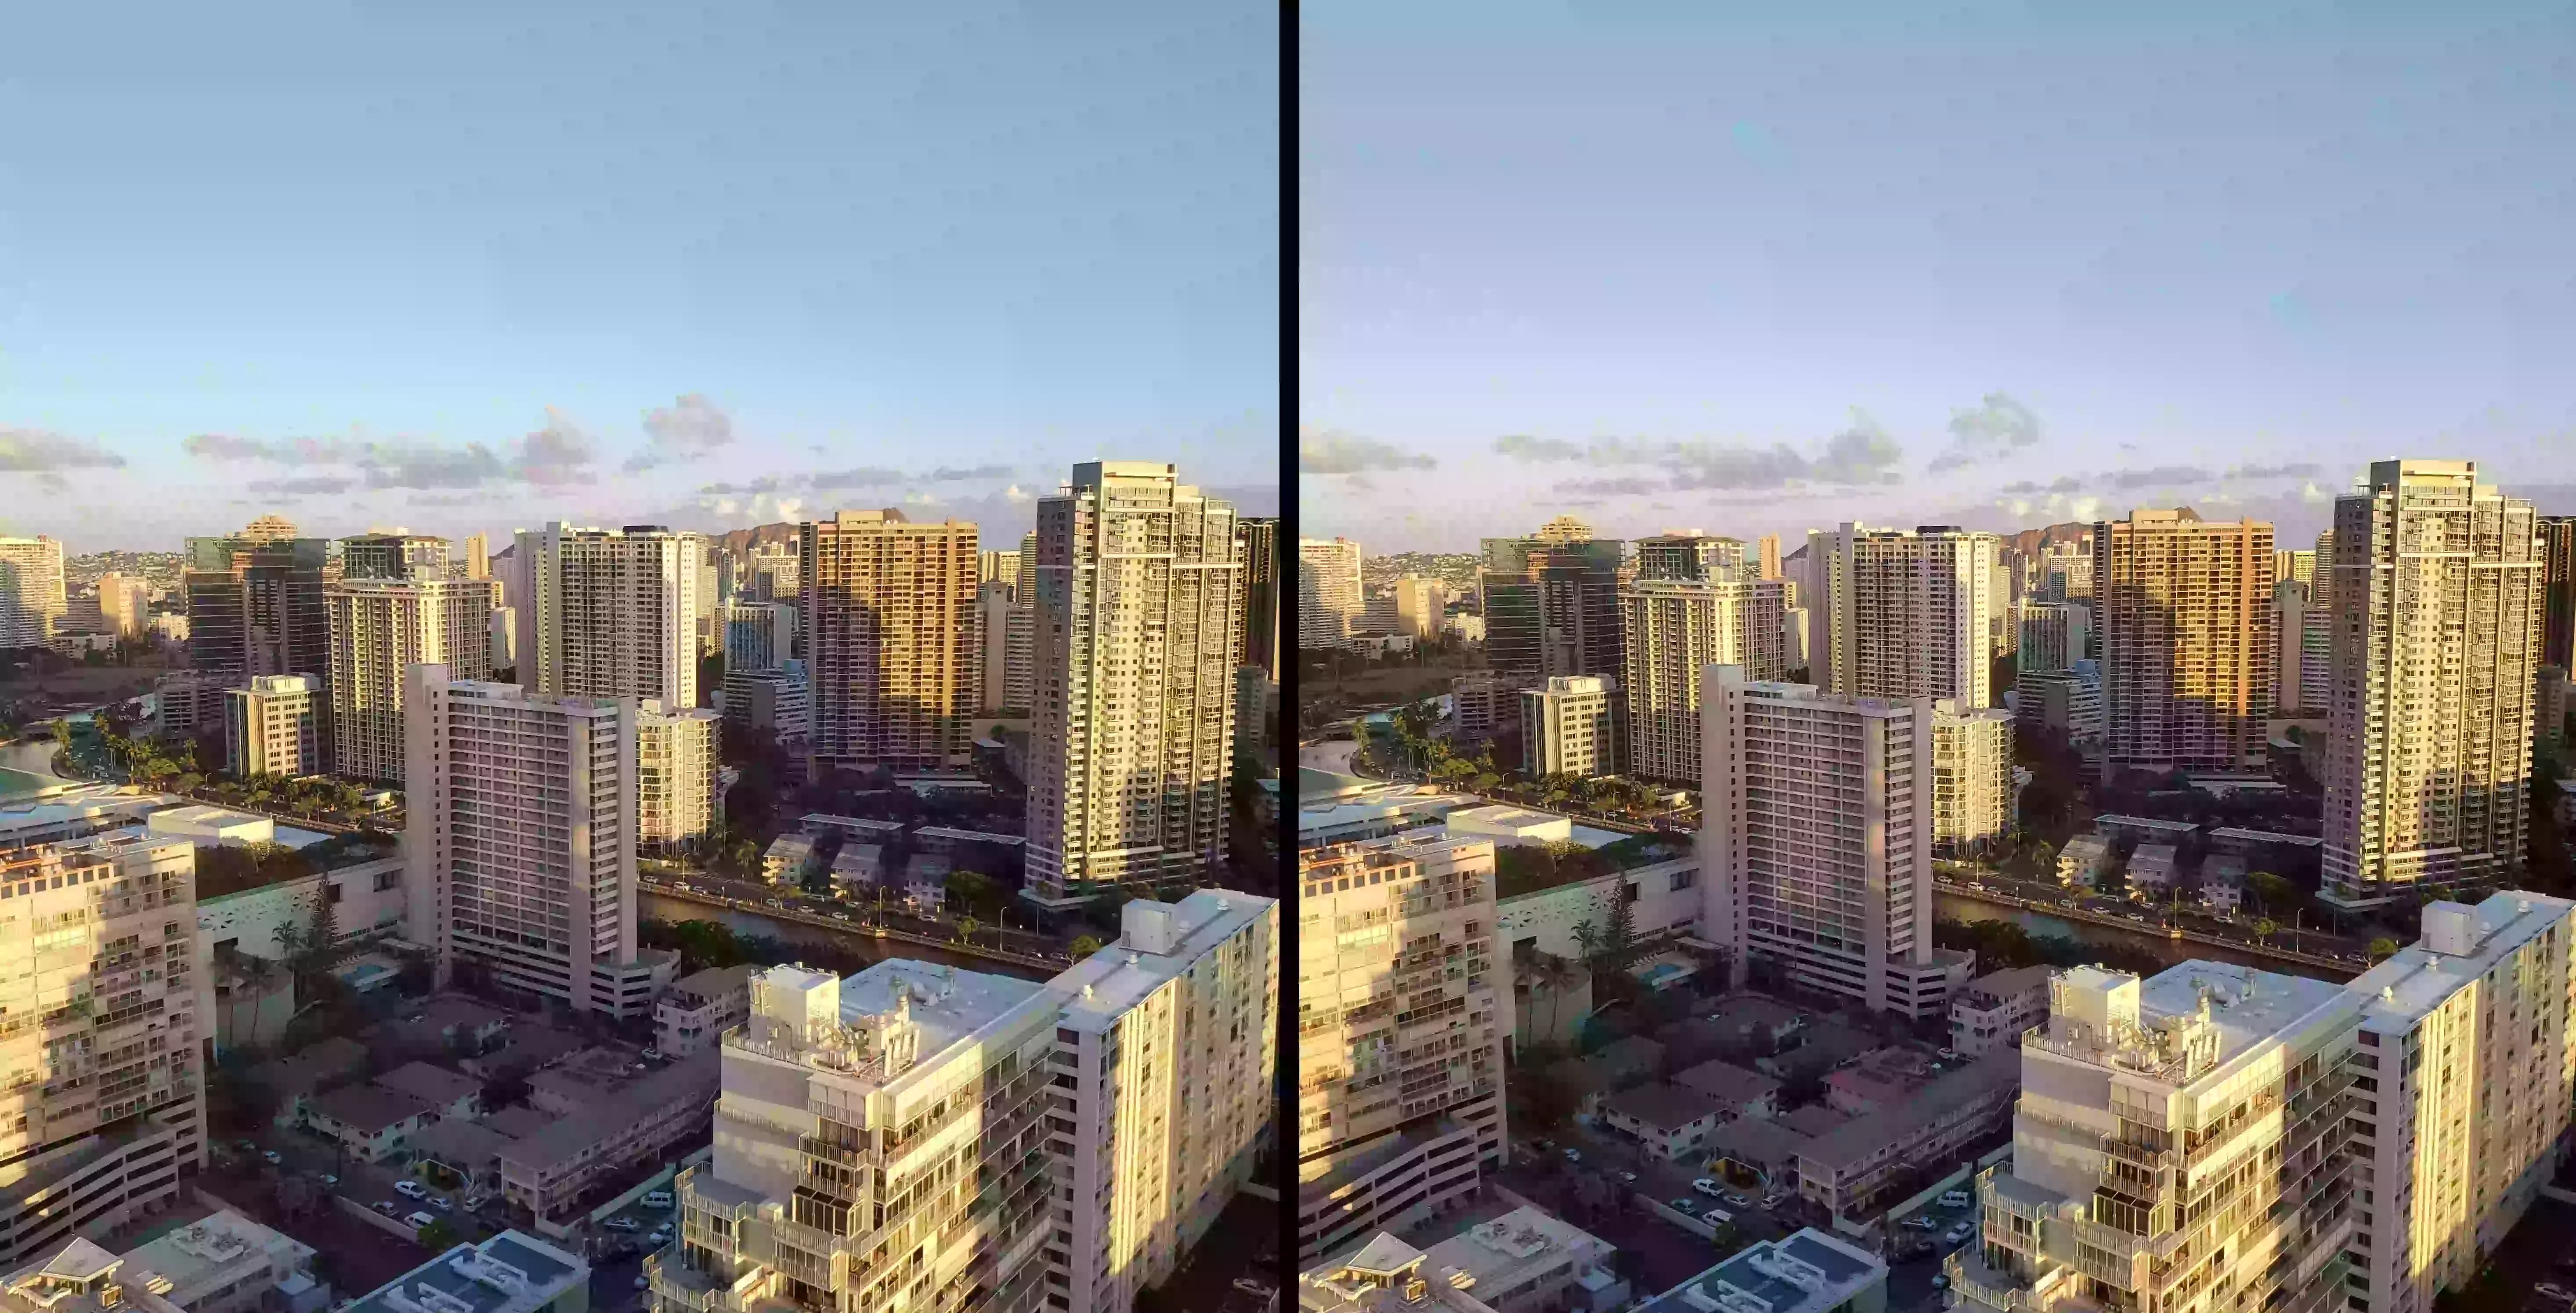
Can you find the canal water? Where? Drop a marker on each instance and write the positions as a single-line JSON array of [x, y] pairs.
[[656, 907], [1954, 907]]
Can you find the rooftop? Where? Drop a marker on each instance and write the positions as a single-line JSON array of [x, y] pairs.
[[1502, 1253], [367, 1109], [512, 1272], [2146, 823], [2180, 1024], [1858, 1139], [947, 1004], [464, 1145], [1773, 1143], [2266, 836], [714, 981], [1118, 977], [437, 1085], [2419, 976], [566, 1138], [208, 1247], [2008, 983], [1664, 1105], [1724, 1080], [1807, 1273]]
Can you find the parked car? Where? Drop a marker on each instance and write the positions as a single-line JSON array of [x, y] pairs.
[[658, 1199], [1685, 1206], [1957, 1235], [329, 1179], [1707, 1187], [411, 1189], [274, 1157], [1627, 1178], [1921, 1222], [418, 1220], [1573, 1155], [388, 1209], [621, 1224], [643, 1283], [441, 1203], [1954, 1199], [474, 1201], [654, 1053], [1947, 1055]]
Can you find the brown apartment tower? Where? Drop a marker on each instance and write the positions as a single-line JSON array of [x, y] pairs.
[[2184, 610], [892, 641]]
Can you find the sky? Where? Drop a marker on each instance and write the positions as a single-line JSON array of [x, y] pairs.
[[468, 267], [1697, 266]]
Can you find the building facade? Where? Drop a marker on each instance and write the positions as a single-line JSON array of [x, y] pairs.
[[2054, 636], [1691, 554], [255, 606], [1904, 613], [1328, 592], [2558, 580], [608, 613], [759, 635], [1972, 777], [1256, 540], [32, 600], [1570, 727], [381, 626], [2188, 657], [1671, 630], [1551, 605], [890, 641], [676, 761], [274, 727]]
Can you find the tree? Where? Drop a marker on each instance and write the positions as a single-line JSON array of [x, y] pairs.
[[967, 926], [2382, 947], [1085, 945], [2265, 928], [968, 890], [438, 1236], [2271, 891]]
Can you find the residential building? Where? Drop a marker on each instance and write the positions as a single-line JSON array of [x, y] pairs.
[[1528, 1262], [788, 859], [1103, 1118], [1483, 705], [32, 600], [106, 1083], [1972, 777], [226, 1263], [2189, 661], [889, 616], [676, 761], [608, 613], [700, 1008], [383, 625], [255, 606], [1810, 1272], [449, 1094], [75, 1276], [1740, 1091], [1995, 1008], [2064, 573], [777, 702], [1131, 753], [1768, 556], [1672, 629], [1328, 592], [1668, 1120], [993, 642], [502, 629], [1570, 727], [2459, 1110], [478, 556], [618, 1125], [512, 1272], [1551, 606], [393, 556], [368, 1122], [1816, 841], [1256, 542], [274, 727], [124, 602], [1691, 554], [2151, 869], [773, 572], [2558, 585], [1904, 613], [2083, 859], [1019, 649], [2549, 704], [1400, 1035], [1382, 1275], [759, 635], [521, 846], [1419, 605], [2054, 635], [2220, 1087], [2436, 584]]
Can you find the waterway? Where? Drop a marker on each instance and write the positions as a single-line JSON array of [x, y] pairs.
[[1955, 907], [27, 767], [658, 907]]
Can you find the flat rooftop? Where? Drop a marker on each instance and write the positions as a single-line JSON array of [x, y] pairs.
[[1805, 1273], [2146, 823], [2248, 1005], [1106, 984], [948, 1004], [2416, 978]]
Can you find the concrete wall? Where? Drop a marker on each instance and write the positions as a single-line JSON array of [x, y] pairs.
[[252, 917], [1550, 915]]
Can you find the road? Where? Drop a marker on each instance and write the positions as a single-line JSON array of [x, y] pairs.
[[2316, 949], [854, 920]]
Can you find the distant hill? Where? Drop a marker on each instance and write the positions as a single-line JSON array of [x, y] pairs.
[[737, 540], [2030, 542]]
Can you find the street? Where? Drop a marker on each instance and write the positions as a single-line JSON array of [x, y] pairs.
[[2317, 946]]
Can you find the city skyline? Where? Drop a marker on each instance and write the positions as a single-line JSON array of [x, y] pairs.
[[1756, 273], [668, 269]]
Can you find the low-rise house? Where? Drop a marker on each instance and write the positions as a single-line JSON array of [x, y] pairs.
[[1763, 1025], [1528, 1262], [1769, 1148], [307, 1072], [2151, 869], [2081, 862], [1996, 1008], [700, 1008], [1877, 1081], [448, 1093], [369, 1121], [549, 1172], [1618, 1065], [227, 1263], [1853, 1171], [1827, 1043], [858, 866], [77, 1276], [469, 1150], [451, 1023], [788, 858], [1741, 1091], [2222, 883], [1668, 1119]]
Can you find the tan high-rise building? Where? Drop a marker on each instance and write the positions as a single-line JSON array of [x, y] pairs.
[[1019, 646], [99, 1039], [1419, 603], [32, 600], [1671, 630], [1570, 726], [1131, 748], [1905, 613], [478, 556], [125, 603], [270, 529], [891, 641], [2291, 564], [2184, 611], [1564, 529], [609, 613], [1328, 592], [1972, 776], [2436, 589], [274, 727], [520, 852], [1000, 566], [1769, 549], [381, 627], [675, 776], [2054, 636], [1402, 986]]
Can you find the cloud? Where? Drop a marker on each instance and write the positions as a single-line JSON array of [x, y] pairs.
[[1861, 453], [37, 451], [1331, 451], [1996, 427], [865, 476], [445, 499], [2162, 476], [766, 483], [1015, 494], [684, 430], [2295, 470], [947, 474], [1616, 487], [556, 454], [2065, 483], [299, 487]]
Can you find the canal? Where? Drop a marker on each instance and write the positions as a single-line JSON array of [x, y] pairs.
[[1949, 906], [658, 907]]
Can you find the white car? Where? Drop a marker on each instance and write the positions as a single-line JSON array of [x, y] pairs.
[[1954, 1199], [1707, 1187], [441, 1203], [418, 1220], [1957, 1235], [411, 1189], [620, 1224]]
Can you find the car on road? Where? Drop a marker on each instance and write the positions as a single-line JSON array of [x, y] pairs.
[[1947, 1055], [388, 1209], [658, 1199], [441, 1203], [1957, 1235], [473, 1201], [329, 1179], [1707, 1187], [1954, 1199], [1685, 1206], [418, 1220], [1921, 1222], [655, 1054], [621, 1224], [411, 1189], [1739, 1200]]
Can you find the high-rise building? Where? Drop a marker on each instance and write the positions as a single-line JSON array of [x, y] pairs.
[[1570, 726], [382, 626], [1690, 554], [124, 602], [1328, 592], [1066, 1142], [778, 702], [1019, 646], [270, 529], [478, 556], [1402, 986], [2054, 636], [2558, 623], [2461, 1119], [993, 641], [1769, 547], [393, 556], [609, 613], [1972, 776], [1564, 529], [772, 572], [503, 631], [106, 1101], [2436, 584], [1419, 605], [675, 776], [2068, 701], [999, 566], [2184, 608], [2288, 563], [1131, 748], [2064, 572], [759, 635], [2292, 623], [255, 605], [889, 616], [1816, 840], [274, 727], [1905, 614], [713, 605], [2176, 1138], [520, 853], [1671, 630], [32, 600], [1551, 605], [1256, 541]]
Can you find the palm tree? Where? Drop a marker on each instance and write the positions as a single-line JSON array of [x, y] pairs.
[[1587, 937], [1555, 975]]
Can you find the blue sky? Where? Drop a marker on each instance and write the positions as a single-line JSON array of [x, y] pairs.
[[1671, 265], [441, 265]]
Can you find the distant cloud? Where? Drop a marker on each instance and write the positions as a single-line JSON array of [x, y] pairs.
[[37, 451], [946, 474], [1861, 453], [2296, 470], [556, 454], [2162, 476], [445, 499], [1331, 451], [865, 476], [767, 483], [2065, 483], [1015, 494], [688, 428], [1616, 487], [1996, 427], [300, 487]]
